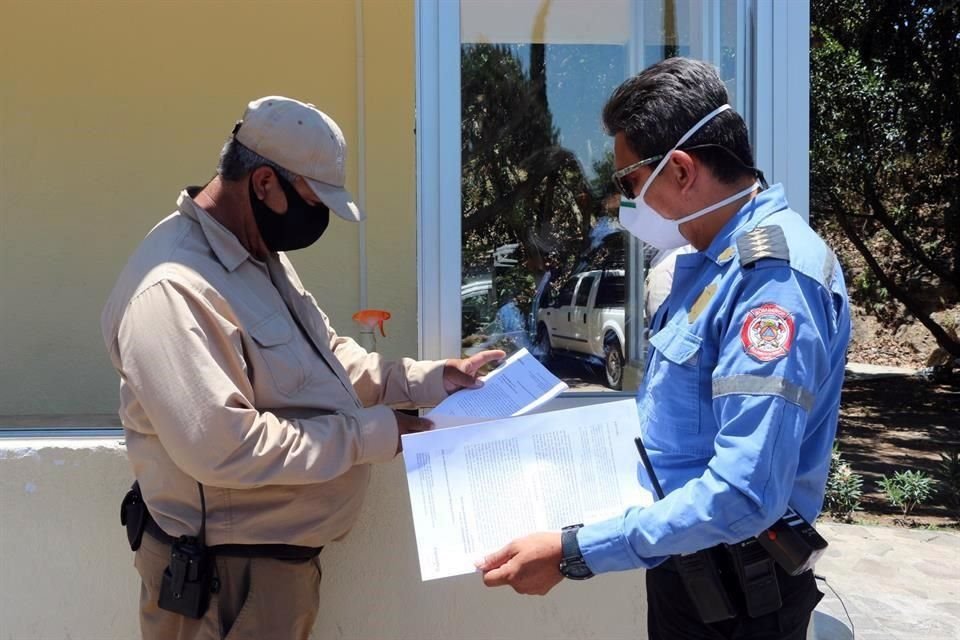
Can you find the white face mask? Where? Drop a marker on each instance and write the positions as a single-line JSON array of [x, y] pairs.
[[649, 225]]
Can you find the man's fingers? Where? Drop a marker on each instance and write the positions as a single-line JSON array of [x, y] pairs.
[[462, 374], [463, 379], [411, 424], [497, 577], [472, 365], [478, 360], [496, 559], [416, 423]]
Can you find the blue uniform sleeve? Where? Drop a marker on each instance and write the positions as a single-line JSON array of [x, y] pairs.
[[773, 353]]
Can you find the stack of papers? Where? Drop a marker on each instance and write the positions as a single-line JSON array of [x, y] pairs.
[[518, 386], [476, 487]]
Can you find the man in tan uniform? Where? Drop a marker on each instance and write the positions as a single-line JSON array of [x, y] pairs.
[[243, 409]]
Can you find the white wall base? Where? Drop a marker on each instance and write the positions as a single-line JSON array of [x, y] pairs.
[[66, 570]]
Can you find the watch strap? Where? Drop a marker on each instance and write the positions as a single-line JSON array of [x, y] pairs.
[[569, 547], [572, 564]]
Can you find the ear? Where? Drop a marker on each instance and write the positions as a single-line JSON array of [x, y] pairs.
[[685, 170], [263, 181]]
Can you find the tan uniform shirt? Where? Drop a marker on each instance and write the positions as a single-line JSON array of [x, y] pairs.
[[232, 376], [660, 278]]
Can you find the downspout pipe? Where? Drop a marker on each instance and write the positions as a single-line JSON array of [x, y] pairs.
[[361, 153]]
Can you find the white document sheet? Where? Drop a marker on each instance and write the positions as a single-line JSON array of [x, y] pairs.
[[475, 488], [518, 386]]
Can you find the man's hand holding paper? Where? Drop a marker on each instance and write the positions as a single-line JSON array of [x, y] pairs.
[[462, 373], [457, 374], [519, 385], [530, 564]]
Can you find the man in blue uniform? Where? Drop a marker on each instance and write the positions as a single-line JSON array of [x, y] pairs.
[[741, 393]]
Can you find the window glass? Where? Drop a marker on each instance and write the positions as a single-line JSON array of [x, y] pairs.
[[539, 211], [583, 293], [612, 292], [566, 293]]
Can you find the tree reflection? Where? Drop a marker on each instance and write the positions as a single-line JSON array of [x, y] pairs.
[[531, 215]]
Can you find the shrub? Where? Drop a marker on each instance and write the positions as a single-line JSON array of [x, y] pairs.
[[948, 477], [907, 489], [843, 493]]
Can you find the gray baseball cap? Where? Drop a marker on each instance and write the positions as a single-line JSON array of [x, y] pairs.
[[304, 140]]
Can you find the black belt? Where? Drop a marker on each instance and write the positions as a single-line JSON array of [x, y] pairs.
[[670, 564], [275, 551], [137, 518]]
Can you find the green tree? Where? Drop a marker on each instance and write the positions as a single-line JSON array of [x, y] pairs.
[[885, 153]]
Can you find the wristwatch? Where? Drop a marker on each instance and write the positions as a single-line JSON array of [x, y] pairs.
[[572, 565]]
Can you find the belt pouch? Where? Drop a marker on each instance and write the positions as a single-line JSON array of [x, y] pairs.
[[133, 516], [757, 577], [700, 577]]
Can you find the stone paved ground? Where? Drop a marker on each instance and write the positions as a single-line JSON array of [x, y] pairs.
[[897, 583]]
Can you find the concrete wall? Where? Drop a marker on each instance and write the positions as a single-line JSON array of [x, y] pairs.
[[109, 108], [66, 572]]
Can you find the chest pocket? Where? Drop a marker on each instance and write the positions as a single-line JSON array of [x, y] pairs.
[[279, 352], [672, 400]]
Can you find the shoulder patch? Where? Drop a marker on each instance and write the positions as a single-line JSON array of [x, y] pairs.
[[763, 242], [767, 332]]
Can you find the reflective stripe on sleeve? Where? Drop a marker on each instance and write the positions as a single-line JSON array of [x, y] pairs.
[[828, 265], [763, 386]]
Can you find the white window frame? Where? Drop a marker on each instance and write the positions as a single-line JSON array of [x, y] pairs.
[[776, 68], [438, 177], [780, 126]]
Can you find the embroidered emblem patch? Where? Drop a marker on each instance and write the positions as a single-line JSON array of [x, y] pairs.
[[767, 332]]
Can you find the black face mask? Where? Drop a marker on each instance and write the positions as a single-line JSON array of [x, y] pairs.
[[299, 227]]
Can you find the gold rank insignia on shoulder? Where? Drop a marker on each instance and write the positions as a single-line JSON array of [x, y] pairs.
[[705, 297]]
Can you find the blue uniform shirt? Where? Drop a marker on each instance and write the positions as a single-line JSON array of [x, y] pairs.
[[741, 394]]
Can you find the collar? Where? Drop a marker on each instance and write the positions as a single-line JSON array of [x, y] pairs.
[[723, 247], [224, 244]]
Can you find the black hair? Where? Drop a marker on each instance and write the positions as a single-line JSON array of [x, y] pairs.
[[656, 107], [237, 161]]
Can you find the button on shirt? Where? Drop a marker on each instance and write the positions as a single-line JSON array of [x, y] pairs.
[[231, 375], [741, 395]]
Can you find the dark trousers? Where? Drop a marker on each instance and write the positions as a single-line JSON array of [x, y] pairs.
[[672, 616]]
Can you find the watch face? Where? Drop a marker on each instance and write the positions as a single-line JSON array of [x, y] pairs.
[[577, 571]]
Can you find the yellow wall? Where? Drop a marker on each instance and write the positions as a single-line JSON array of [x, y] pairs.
[[108, 108]]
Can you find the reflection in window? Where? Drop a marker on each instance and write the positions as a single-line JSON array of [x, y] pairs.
[[612, 291], [545, 264], [538, 206], [566, 292], [583, 293]]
